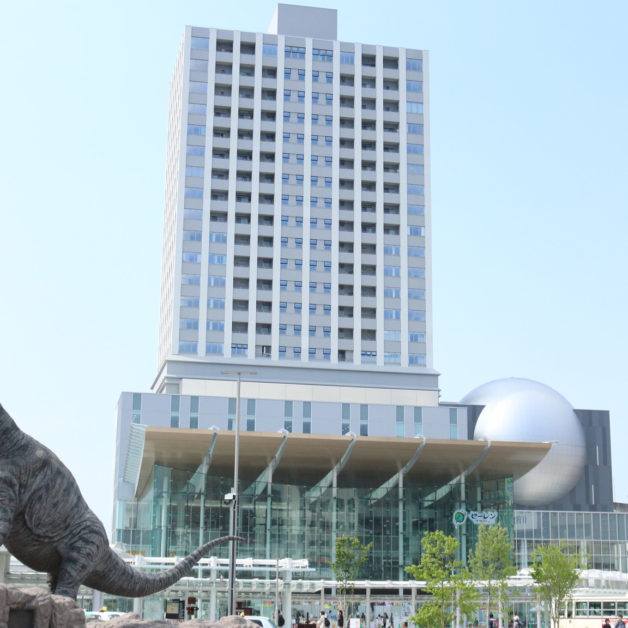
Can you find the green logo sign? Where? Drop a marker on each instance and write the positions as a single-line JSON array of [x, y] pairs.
[[478, 517]]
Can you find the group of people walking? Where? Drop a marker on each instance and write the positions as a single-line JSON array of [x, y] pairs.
[[515, 623], [620, 623], [381, 621]]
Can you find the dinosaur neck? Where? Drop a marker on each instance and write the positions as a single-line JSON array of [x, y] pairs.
[[11, 437]]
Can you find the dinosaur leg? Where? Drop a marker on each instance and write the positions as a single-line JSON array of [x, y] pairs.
[[77, 562], [73, 570], [8, 492]]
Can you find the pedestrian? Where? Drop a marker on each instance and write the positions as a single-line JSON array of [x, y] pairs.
[[516, 623], [607, 623], [491, 621], [341, 619], [620, 622], [322, 622], [280, 619]]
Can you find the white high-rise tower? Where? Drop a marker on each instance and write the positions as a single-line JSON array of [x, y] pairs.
[[297, 214]]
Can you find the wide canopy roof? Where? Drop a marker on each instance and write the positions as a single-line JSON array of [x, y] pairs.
[[307, 458]]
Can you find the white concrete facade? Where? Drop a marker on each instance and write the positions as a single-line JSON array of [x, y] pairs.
[[296, 223]]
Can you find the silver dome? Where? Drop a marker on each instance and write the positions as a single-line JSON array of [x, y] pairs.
[[524, 410]]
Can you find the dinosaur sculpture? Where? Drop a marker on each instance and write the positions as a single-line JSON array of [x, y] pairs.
[[46, 524]]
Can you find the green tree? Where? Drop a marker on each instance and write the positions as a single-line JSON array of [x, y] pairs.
[[350, 556], [555, 574], [446, 581], [491, 562]]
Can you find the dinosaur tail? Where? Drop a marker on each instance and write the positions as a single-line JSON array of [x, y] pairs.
[[115, 577]]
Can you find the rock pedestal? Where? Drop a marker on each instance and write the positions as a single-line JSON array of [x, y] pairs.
[[37, 608], [132, 620]]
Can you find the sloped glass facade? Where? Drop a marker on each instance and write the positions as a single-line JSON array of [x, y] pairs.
[[288, 520]]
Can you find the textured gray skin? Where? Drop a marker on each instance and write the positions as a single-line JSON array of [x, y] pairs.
[[46, 524]]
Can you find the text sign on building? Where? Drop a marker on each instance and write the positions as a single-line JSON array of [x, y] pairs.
[[478, 517], [175, 609]]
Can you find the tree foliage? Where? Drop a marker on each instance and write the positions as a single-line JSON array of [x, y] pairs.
[[491, 562], [350, 556], [446, 581], [555, 574]]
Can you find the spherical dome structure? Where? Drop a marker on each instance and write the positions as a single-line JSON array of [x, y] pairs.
[[524, 410]]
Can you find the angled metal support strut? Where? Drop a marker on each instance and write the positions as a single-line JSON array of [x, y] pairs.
[[330, 479], [440, 492], [394, 481], [265, 478], [200, 481]]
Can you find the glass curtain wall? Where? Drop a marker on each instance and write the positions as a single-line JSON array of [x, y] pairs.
[[600, 538], [282, 520]]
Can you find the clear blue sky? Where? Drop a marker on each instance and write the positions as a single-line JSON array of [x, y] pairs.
[[529, 156]]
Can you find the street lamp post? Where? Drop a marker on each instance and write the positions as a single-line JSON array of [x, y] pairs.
[[233, 519]]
